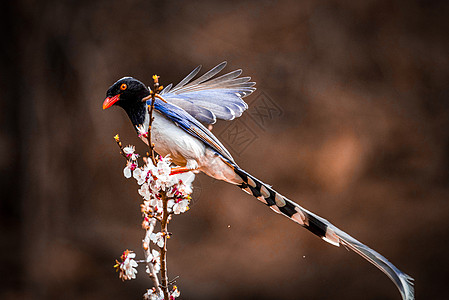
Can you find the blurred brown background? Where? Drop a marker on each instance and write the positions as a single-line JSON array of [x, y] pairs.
[[358, 133]]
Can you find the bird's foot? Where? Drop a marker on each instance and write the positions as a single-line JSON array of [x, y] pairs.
[[179, 170]]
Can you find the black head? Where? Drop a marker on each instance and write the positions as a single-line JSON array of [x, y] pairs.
[[128, 93]]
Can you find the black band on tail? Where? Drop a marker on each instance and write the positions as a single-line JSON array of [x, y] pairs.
[[287, 208], [323, 228]]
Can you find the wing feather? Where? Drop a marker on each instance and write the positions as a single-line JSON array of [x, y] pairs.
[[187, 78], [191, 125], [208, 99], [209, 74]]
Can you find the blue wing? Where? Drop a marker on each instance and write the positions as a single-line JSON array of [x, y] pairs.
[[208, 99], [192, 126]]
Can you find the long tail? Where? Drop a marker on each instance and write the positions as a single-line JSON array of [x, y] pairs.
[[324, 229]]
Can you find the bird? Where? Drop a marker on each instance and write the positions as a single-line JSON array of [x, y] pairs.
[[179, 130]]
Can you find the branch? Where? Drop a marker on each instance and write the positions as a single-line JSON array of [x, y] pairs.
[[119, 143], [152, 212], [164, 223], [153, 94]]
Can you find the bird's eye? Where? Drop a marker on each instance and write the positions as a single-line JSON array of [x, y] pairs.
[[123, 86]]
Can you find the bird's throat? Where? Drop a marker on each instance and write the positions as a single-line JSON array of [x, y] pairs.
[[136, 113]]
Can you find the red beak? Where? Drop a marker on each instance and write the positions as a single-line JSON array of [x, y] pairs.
[[109, 101]]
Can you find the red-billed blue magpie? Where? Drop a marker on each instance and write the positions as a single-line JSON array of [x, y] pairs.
[[178, 130]]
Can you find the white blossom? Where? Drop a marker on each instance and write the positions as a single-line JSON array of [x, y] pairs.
[[145, 207], [129, 149], [170, 204], [141, 130], [152, 294], [175, 293], [156, 204], [127, 172], [156, 186], [157, 238], [154, 258], [137, 173], [181, 206], [144, 191], [129, 152], [185, 190], [162, 173], [141, 176], [130, 166], [127, 266]]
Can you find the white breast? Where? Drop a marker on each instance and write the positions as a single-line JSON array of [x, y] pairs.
[[184, 149], [168, 138]]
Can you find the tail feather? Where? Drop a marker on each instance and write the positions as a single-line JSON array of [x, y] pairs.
[[324, 229]]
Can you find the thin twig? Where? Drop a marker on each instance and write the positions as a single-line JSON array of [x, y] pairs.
[[164, 223], [153, 94], [150, 143], [160, 98], [173, 280], [119, 143]]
